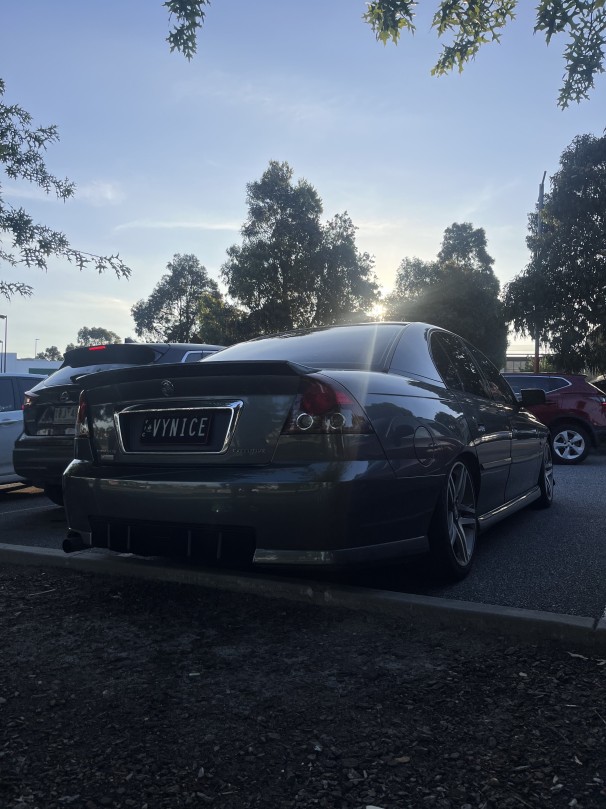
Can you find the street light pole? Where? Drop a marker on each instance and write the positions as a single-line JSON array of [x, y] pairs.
[[537, 331], [36, 347], [5, 318]]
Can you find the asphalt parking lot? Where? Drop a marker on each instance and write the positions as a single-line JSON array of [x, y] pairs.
[[552, 560]]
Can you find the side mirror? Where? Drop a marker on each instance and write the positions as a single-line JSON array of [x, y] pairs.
[[532, 396]]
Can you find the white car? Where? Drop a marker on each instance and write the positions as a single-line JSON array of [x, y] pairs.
[[12, 392]]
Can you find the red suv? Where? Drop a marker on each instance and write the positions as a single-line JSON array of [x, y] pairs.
[[575, 412]]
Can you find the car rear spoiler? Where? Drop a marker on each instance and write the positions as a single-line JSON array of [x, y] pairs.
[[199, 369]]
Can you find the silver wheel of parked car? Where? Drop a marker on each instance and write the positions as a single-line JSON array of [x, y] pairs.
[[454, 528], [570, 444], [546, 481]]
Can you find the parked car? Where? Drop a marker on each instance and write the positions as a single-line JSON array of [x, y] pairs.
[[574, 411], [600, 382], [346, 444], [46, 445], [12, 391]]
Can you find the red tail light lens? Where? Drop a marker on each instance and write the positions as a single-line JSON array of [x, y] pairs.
[[82, 430], [323, 407], [28, 401], [97, 348]]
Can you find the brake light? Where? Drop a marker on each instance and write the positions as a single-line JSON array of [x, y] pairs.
[[28, 401], [323, 407], [82, 430], [97, 348]]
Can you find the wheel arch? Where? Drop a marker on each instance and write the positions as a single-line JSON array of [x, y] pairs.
[[472, 463]]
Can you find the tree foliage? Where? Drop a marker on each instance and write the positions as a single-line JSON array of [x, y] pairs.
[[458, 291], [51, 353], [291, 270], [560, 294], [93, 336], [24, 242], [171, 313], [468, 25], [221, 322]]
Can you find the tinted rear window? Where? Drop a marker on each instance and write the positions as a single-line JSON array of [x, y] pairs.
[[335, 347], [81, 361], [122, 354]]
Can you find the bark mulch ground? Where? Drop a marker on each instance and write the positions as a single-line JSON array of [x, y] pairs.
[[126, 693]]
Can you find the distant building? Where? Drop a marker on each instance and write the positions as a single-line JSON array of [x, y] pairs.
[[29, 366], [523, 361]]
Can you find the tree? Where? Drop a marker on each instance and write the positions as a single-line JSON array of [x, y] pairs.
[[291, 271], [221, 322], [561, 291], [51, 353], [469, 24], [171, 313], [346, 286], [458, 291], [24, 242], [94, 336]]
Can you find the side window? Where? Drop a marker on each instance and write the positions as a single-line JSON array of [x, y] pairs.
[[471, 380], [557, 383], [7, 399], [497, 387], [192, 356], [444, 364]]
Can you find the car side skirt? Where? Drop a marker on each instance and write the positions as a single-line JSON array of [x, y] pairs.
[[498, 514]]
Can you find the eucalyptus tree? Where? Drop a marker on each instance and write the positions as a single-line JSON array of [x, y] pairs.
[[291, 270], [560, 294], [458, 291], [172, 311]]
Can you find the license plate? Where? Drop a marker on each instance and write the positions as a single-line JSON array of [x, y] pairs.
[[176, 427], [66, 414]]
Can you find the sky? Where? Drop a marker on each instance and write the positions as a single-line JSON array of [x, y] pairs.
[[161, 149]]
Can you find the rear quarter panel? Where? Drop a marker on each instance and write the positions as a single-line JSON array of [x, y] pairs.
[[419, 423]]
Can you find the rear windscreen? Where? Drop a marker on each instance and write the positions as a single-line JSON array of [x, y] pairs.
[[81, 361], [364, 346]]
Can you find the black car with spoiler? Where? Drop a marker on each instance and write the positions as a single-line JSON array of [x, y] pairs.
[[46, 446], [341, 445]]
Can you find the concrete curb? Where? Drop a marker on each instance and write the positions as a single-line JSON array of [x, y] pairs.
[[431, 612]]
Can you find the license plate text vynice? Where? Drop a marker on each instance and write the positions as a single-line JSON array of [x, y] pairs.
[[177, 427]]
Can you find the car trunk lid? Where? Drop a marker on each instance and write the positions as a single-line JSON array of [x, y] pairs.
[[216, 413]]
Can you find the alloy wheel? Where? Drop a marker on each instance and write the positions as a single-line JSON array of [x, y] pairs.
[[461, 514], [569, 445]]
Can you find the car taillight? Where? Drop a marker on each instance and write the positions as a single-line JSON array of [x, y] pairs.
[[82, 430], [97, 348], [28, 401], [325, 408]]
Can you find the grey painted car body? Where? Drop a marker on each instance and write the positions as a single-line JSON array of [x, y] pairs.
[[274, 497]]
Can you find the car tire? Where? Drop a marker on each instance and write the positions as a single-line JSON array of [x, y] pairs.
[[453, 531], [569, 444], [54, 492], [546, 481]]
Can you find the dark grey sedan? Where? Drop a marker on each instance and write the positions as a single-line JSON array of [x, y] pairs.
[[340, 445]]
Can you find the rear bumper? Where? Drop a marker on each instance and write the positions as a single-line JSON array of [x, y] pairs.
[[42, 460], [313, 515]]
